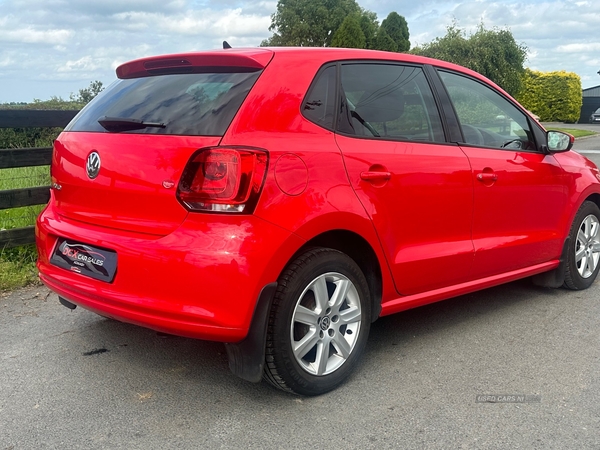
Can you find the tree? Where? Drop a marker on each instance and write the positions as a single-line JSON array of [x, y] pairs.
[[396, 27], [553, 96], [369, 26], [349, 34], [493, 53], [384, 42], [308, 22], [86, 95]]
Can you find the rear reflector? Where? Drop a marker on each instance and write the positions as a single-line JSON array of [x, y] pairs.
[[223, 179]]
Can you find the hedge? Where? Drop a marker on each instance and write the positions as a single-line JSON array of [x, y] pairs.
[[553, 96]]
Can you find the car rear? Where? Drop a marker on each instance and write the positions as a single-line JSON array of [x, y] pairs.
[[149, 216]]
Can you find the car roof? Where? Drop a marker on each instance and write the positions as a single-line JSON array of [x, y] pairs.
[[255, 57], [339, 54]]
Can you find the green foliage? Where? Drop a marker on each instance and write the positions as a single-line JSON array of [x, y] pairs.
[[335, 23], [396, 27], [44, 137], [493, 53], [384, 42], [75, 102], [349, 35], [369, 26], [472, 108], [553, 96], [27, 137], [87, 94], [308, 22], [17, 267]]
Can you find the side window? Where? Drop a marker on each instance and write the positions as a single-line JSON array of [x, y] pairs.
[[319, 104], [486, 118], [388, 101]]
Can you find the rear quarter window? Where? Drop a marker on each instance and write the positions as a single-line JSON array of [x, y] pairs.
[[188, 104]]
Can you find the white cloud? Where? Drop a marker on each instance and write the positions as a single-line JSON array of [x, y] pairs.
[[85, 64], [29, 35], [583, 47], [62, 45]]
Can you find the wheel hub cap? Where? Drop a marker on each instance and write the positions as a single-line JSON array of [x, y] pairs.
[[326, 324], [587, 248]]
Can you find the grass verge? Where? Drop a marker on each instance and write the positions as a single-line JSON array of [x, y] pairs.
[[575, 132], [17, 267]]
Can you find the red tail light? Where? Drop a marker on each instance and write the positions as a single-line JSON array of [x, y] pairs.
[[222, 179]]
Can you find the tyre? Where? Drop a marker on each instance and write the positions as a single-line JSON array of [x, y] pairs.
[[318, 324], [583, 256]]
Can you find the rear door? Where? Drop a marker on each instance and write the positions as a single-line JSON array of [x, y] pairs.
[[416, 188]]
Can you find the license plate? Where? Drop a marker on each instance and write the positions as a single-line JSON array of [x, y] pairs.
[[94, 262]]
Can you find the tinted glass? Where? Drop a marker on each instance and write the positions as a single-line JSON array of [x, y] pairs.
[[319, 104], [388, 101], [487, 118], [188, 104]]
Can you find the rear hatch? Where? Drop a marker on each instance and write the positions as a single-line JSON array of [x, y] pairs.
[[118, 163]]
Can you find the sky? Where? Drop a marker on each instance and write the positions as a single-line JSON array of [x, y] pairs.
[[56, 47]]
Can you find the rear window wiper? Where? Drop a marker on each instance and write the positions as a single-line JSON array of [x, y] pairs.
[[126, 124]]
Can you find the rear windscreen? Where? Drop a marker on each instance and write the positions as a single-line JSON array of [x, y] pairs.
[[184, 104]]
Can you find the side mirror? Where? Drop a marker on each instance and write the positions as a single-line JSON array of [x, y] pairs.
[[559, 141]]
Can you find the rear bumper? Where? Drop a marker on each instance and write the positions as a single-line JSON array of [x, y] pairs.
[[201, 281]]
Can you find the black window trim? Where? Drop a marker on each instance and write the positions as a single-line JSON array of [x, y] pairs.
[[449, 117], [314, 81]]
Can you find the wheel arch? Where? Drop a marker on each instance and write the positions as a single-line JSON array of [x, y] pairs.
[[359, 249], [246, 358], [595, 198], [556, 278]]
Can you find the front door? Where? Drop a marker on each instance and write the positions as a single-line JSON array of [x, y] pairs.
[[519, 192]]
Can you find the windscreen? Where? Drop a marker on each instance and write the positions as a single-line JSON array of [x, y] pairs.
[[199, 104]]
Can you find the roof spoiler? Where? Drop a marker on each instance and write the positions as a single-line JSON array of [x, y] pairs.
[[239, 60]]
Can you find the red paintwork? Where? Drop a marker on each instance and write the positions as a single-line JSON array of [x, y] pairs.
[[195, 281], [423, 214], [529, 186], [436, 229], [256, 58], [128, 193]]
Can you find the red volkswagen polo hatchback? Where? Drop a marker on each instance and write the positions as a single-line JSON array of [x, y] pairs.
[[280, 200]]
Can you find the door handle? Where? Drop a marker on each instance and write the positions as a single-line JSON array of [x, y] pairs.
[[372, 176], [486, 176]]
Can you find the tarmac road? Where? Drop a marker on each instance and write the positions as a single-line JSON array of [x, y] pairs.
[[72, 379]]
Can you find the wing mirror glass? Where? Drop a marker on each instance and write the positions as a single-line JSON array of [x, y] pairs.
[[559, 141]]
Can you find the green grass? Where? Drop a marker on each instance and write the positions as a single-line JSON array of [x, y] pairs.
[[17, 265], [22, 178], [575, 132]]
